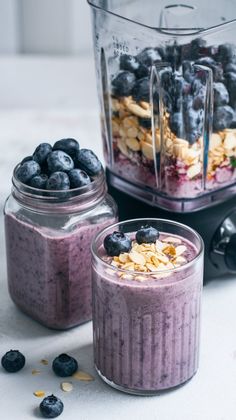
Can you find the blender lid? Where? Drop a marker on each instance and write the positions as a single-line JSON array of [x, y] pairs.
[[188, 16]]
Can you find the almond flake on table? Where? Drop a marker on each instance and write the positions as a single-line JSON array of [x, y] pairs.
[[83, 376]]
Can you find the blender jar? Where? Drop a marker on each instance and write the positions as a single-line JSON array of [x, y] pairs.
[[167, 87]]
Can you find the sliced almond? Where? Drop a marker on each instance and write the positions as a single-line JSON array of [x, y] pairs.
[[44, 362], [170, 250], [181, 142], [128, 266], [66, 386], [122, 147], [194, 170], [179, 250], [83, 376], [129, 122], [39, 394], [137, 258], [35, 372], [151, 267], [215, 141], [144, 105], [124, 257], [138, 110], [180, 260], [133, 144], [147, 150], [163, 258], [230, 141], [159, 245]]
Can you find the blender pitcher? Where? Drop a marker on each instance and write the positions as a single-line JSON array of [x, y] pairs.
[[166, 77]]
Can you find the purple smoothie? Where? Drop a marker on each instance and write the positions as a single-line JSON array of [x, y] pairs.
[[49, 276], [146, 334]]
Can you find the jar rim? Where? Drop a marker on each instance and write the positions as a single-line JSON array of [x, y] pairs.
[[94, 249], [40, 198]]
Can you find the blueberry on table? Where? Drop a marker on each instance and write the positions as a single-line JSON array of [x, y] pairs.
[[51, 407], [147, 234], [58, 181], [222, 117], [148, 56], [123, 83], [221, 95], [88, 162], [59, 161], [13, 361], [78, 178], [141, 90], [27, 170], [39, 181], [64, 365], [69, 146], [41, 153], [117, 242]]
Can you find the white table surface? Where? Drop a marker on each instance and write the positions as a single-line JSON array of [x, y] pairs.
[[46, 99]]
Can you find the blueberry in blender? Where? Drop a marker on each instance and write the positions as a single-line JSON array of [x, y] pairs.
[[27, 170], [117, 242], [78, 178], [51, 407], [64, 365], [58, 181], [69, 146], [226, 53], [147, 234], [231, 86], [148, 56], [223, 117], [13, 361], [88, 162], [39, 181], [221, 94], [41, 153], [123, 83], [141, 90], [59, 161]]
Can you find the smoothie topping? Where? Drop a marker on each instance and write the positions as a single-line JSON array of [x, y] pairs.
[[116, 243], [151, 255]]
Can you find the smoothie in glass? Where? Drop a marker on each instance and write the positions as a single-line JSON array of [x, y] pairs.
[[146, 307]]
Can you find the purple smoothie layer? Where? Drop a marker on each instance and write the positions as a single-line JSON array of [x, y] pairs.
[[49, 276], [146, 334]]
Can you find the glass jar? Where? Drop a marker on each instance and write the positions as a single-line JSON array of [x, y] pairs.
[[146, 324], [48, 238]]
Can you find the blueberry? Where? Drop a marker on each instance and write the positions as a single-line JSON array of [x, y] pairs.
[[58, 181], [123, 83], [69, 146], [199, 99], [230, 67], [147, 234], [39, 181], [145, 122], [141, 90], [51, 407], [226, 53], [149, 56], [193, 120], [221, 95], [64, 365], [26, 159], [27, 170], [215, 67], [193, 50], [59, 161], [173, 55], [41, 153], [188, 71], [13, 361], [117, 242], [88, 162], [222, 117], [78, 178], [230, 81], [177, 124], [129, 63]]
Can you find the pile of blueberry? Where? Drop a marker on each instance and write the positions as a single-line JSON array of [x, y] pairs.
[[118, 242], [63, 366], [184, 88], [61, 167]]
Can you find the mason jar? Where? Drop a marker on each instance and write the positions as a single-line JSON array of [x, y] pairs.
[[48, 237]]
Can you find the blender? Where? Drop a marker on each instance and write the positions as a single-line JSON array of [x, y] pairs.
[[166, 76]]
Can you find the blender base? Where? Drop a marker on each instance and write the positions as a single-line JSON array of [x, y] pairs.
[[205, 221]]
